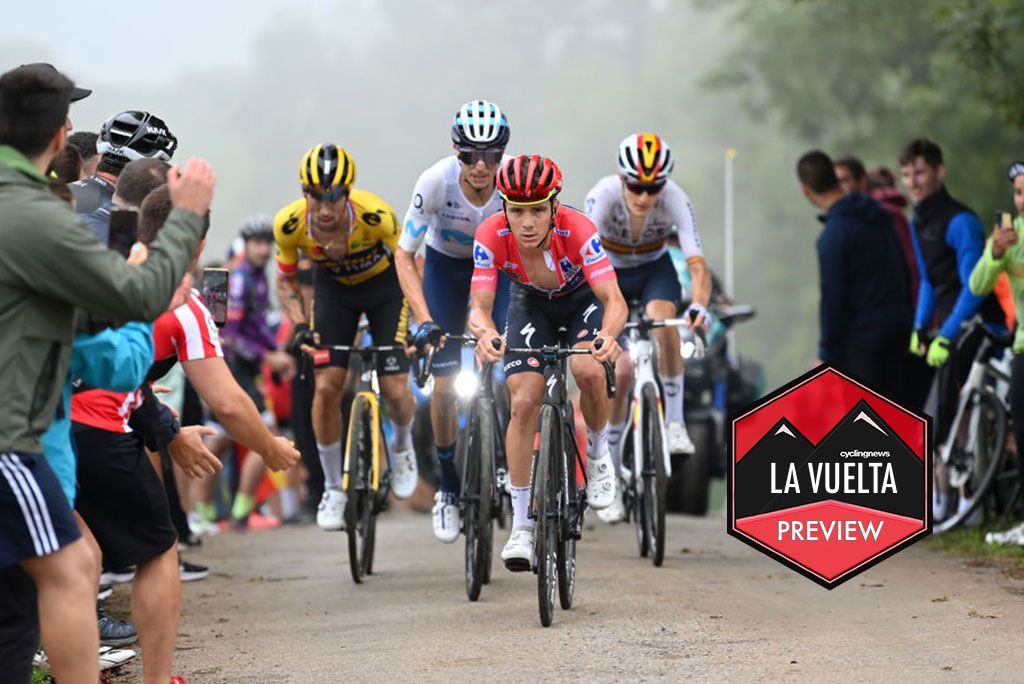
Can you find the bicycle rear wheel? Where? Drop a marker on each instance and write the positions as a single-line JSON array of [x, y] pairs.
[[477, 492], [979, 440], [636, 497], [545, 493], [359, 513], [654, 478]]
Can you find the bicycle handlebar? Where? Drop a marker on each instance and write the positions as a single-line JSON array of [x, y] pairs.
[[561, 352]]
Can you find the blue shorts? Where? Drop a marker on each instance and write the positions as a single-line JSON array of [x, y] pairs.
[[35, 516], [656, 280], [446, 282]]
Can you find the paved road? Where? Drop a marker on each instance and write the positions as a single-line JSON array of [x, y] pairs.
[[280, 607]]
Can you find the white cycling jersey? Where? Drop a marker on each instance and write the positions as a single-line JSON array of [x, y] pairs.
[[606, 206], [441, 214]]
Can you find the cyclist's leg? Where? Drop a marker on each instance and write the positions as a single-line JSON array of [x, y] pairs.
[[446, 284], [389, 324], [336, 322], [527, 325], [661, 293], [631, 283]]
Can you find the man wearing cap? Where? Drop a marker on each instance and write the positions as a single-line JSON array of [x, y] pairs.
[[52, 268]]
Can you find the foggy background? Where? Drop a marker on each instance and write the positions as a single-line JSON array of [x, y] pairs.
[[251, 87]]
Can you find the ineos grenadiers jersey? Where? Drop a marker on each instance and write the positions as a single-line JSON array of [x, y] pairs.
[[441, 214], [606, 206]]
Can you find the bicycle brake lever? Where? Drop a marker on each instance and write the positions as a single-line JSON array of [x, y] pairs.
[[609, 378], [423, 367]]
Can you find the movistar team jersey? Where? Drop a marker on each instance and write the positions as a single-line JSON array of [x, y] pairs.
[[372, 239], [441, 214], [606, 206]]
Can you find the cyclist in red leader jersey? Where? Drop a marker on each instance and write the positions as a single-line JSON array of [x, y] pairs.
[[560, 277]]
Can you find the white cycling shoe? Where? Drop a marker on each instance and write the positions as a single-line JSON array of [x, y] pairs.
[[616, 512], [330, 514], [678, 439], [518, 552], [404, 473], [601, 486], [446, 518]]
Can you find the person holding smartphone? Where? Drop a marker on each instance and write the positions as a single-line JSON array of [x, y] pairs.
[[1004, 253]]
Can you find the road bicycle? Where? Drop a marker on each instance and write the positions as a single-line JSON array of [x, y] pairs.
[[646, 478], [365, 480], [557, 503], [973, 464]]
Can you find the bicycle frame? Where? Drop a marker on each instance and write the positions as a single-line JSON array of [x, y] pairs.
[[644, 356], [987, 368]]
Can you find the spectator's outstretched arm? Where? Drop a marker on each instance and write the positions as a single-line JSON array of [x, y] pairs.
[[965, 235]]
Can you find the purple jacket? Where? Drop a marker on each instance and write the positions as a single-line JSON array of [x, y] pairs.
[[247, 335]]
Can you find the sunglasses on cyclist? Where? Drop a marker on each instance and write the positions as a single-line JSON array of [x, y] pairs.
[[333, 195], [649, 188], [470, 156]]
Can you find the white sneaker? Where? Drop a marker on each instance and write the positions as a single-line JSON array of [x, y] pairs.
[[600, 482], [404, 473], [615, 513], [1014, 535], [114, 657], [200, 526], [330, 514], [518, 552], [678, 439], [446, 518]]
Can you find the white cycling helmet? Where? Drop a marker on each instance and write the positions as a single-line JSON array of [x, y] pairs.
[[480, 124], [645, 158]]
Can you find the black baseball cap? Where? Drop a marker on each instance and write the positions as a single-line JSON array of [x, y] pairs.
[[43, 67]]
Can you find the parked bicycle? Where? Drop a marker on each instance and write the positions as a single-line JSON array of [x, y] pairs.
[[971, 470]]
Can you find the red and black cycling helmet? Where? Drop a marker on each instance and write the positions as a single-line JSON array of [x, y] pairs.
[[526, 179]]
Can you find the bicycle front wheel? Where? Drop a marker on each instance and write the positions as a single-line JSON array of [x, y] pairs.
[[359, 509], [569, 508], [654, 478], [545, 491], [979, 439]]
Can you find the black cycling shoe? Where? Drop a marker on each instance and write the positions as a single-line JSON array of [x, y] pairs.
[[114, 632], [190, 572]]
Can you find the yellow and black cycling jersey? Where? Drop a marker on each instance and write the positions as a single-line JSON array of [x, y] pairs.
[[372, 239]]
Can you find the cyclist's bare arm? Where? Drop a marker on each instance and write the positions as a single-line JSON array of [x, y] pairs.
[[482, 326], [411, 281], [290, 294], [701, 276], [234, 409], [615, 314]]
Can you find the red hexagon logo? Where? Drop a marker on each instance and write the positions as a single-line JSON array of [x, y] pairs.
[[829, 477]]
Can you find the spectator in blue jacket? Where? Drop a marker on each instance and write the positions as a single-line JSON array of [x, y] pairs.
[[865, 312], [948, 240]]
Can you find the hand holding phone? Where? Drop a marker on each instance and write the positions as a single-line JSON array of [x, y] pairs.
[[123, 230], [215, 293], [1004, 236]]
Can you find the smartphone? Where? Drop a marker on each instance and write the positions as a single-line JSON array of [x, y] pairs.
[[1005, 220], [124, 229], [215, 293]]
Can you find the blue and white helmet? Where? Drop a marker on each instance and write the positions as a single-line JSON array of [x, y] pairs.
[[480, 124]]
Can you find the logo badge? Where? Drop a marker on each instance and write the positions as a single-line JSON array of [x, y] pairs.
[[534, 363], [482, 257], [829, 477], [592, 252]]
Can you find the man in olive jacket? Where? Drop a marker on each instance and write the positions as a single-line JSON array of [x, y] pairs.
[[51, 267]]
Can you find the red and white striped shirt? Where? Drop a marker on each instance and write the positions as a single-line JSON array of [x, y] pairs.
[[186, 334]]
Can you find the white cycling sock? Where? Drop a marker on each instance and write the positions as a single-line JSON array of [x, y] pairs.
[[402, 436], [673, 386], [289, 501], [521, 507], [616, 434], [597, 442], [330, 461]]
